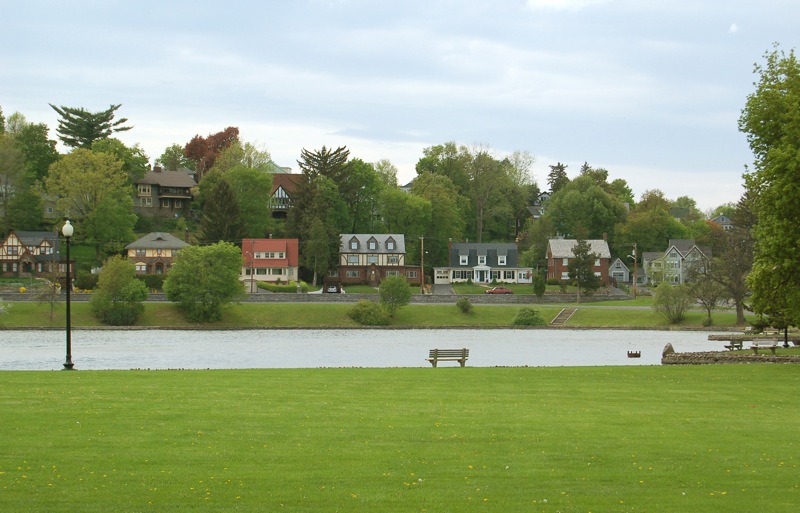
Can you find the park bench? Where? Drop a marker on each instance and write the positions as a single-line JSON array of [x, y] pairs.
[[448, 355], [735, 344], [771, 345]]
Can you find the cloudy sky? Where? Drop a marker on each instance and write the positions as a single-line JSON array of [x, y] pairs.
[[651, 91]]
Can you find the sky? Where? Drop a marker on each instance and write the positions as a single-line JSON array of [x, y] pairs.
[[651, 91]]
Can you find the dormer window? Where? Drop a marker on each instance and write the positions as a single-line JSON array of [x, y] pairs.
[[353, 244], [481, 259], [390, 244], [463, 259], [372, 244], [501, 259]]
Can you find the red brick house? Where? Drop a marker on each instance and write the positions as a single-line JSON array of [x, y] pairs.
[[559, 255]]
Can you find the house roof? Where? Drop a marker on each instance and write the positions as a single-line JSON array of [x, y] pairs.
[[685, 246], [157, 240], [491, 250], [34, 239], [287, 181], [562, 248], [289, 247], [177, 178], [380, 238]]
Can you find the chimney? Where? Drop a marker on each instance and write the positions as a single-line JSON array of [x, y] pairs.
[[157, 169], [605, 236]]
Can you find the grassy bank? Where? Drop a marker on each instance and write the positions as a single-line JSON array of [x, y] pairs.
[[450, 439], [631, 314]]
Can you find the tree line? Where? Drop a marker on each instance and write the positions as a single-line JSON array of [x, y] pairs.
[[460, 192]]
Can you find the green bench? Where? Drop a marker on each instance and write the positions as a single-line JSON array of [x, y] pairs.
[[448, 355]]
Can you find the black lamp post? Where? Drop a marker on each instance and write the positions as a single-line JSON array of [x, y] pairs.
[[67, 230]]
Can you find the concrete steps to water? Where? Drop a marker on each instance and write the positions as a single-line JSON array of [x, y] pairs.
[[563, 316]]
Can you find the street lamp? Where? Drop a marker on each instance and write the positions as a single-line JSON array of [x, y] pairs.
[[67, 230]]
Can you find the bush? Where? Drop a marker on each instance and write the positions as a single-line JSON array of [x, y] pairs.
[[290, 287], [464, 305], [672, 302], [368, 313], [539, 287], [152, 281], [553, 281], [85, 280], [527, 316]]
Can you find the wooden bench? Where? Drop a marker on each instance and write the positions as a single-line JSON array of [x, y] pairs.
[[448, 355], [771, 345], [735, 344]]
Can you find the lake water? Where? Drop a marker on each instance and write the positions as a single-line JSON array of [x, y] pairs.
[[246, 349]]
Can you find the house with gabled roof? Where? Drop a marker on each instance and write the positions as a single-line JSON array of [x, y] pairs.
[[368, 258], [154, 253], [484, 262], [284, 187], [164, 193], [560, 254], [675, 264], [269, 260], [32, 254]]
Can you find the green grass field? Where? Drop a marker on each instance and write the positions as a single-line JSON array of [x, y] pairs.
[[630, 314], [607, 439]]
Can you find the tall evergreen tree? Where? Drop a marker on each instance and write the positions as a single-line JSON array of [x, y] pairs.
[[557, 178], [581, 268], [79, 128], [221, 216]]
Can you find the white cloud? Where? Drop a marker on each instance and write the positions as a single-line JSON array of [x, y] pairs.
[[734, 28]]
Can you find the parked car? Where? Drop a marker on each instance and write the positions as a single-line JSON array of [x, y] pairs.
[[499, 290]]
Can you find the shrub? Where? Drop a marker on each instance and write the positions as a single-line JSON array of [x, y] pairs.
[[290, 287], [368, 313], [395, 292], [553, 281], [539, 287], [152, 281], [671, 302], [527, 316], [85, 280], [464, 305]]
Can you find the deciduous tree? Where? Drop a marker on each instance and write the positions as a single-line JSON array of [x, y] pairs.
[[119, 297], [394, 292], [771, 122], [204, 280]]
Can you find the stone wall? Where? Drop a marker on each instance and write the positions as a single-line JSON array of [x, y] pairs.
[[725, 357]]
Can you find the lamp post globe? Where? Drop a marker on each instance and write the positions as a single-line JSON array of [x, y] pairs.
[[67, 230]]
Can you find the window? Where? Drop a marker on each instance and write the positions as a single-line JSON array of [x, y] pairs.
[[354, 244], [597, 262], [141, 268], [390, 244], [277, 271], [481, 259], [13, 250], [392, 273], [352, 274], [352, 259], [501, 259], [173, 252], [372, 259], [144, 190], [140, 252], [393, 260], [495, 275], [146, 202], [409, 274], [508, 275], [159, 252], [463, 259], [178, 204], [565, 275], [164, 203], [372, 244], [261, 271], [565, 261]]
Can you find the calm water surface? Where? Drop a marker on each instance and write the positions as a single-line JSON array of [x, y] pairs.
[[171, 349]]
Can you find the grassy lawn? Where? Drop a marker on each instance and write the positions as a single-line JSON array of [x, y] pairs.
[[317, 315], [628, 439]]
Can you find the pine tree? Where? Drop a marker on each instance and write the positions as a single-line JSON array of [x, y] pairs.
[[79, 128], [221, 216]]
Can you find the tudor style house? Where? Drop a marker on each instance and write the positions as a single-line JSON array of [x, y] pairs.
[[154, 253], [676, 264], [483, 263], [284, 186], [269, 260], [32, 254], [366, 258], [162, 193], [559, 255]]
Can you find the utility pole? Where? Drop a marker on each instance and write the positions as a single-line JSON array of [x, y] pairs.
[[422, 263], [635, 268]]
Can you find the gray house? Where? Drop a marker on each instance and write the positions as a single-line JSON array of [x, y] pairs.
[[483, 263]]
